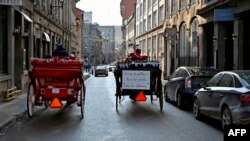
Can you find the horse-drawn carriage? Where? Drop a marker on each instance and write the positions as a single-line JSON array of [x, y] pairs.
[[137, 79], [54, 81]]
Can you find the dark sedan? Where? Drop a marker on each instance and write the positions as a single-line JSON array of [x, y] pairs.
[[184, 82], [226, 97], [101, 70]]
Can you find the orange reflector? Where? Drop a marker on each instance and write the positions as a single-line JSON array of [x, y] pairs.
[[56, 103], [140, 96]]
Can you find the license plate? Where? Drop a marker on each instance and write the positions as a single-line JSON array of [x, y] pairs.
[[55, 91]]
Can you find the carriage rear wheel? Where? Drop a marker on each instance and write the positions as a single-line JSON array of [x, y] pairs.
[[46, 104], [81, 99], [31, 100], [116, 103], [161, 101]]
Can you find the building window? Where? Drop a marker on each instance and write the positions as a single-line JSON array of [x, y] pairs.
[[175, 6], [154, 19], [183, 4], [183, 46], [155, 2], [154, 48], [144, 25], [168, 8], [194, 43], [149, 45], [149, 4], [207, 1], [161, 15], [193, 1], [149, 22], [141, 10], [144, 7], [3, 41]]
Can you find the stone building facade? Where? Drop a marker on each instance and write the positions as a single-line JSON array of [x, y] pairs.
[[211, 33], [31, 28]]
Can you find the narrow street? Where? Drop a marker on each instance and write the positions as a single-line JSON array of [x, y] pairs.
[[134, 122]]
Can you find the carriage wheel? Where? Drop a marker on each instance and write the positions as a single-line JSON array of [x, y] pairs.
[[30, 100], [46, 104], [116, 103], [81, 99], [161, 101]]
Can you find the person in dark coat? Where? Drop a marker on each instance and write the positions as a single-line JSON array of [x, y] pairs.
[[60, 51]]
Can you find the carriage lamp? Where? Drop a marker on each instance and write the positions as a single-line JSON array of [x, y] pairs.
[[17, 30]]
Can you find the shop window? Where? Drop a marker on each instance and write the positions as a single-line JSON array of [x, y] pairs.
[[3, 41]]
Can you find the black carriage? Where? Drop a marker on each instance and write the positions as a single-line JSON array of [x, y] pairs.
[[138, 79]]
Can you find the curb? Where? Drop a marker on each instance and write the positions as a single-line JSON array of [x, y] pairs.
[[12, 120]]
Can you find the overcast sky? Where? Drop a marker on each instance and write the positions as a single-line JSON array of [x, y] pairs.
[[105, 12]]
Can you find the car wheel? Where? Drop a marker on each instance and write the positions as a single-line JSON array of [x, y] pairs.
[[196, 109], [179, 101], [226, 117]]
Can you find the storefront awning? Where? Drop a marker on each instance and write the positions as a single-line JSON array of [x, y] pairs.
[[46, 36], [26, 17]]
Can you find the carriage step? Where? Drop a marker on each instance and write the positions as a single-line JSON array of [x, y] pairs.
[[11, 93]]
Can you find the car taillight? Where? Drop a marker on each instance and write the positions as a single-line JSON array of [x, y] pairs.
[[188, 82], [245, 97]]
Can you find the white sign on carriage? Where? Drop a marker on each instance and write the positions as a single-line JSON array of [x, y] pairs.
[[136, 80]]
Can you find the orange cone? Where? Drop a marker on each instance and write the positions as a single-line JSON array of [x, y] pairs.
[[56, 103], [140, 96]]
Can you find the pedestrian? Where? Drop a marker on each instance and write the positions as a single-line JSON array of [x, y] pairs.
[[137, 55], [60, 51]]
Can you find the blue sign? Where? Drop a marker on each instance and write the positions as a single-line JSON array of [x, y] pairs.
[[224, 14]]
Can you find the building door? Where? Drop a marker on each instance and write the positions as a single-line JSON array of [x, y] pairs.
[[246, 41], [229, 26], [208, 44]]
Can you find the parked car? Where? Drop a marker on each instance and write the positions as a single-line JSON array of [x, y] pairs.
[[184, 82], [112, 68], [101, 70], [225, 97]]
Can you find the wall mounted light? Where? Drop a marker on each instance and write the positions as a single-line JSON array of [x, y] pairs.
[[214, 39], [77, 21], [234, 36], [26, 33], [17, 30], [130, 43]]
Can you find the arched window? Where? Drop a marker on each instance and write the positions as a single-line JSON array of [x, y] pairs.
[[194, 50], [183, 45]]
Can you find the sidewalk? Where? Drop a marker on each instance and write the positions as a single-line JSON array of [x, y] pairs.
[[12, 110]]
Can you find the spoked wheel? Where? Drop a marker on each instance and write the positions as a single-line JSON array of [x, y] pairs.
[[30, 100], [81, 99], [116, 101], [151, 98], [46, 104], [161, 101]]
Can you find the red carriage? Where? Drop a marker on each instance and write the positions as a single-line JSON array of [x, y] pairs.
[[54, 81]]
